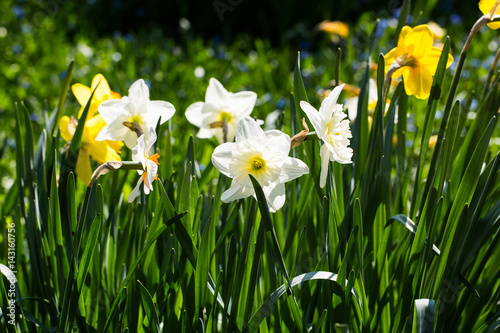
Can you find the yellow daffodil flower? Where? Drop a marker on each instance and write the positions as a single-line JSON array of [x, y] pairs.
[[421, 61], [99, 151], [485, 7], [102, 93]]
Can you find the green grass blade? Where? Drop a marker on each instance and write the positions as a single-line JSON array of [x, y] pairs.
[[62, 97], [150, 308], [201, 273]]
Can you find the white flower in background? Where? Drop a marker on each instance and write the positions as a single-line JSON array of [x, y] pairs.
[[220, 109], [330, 127], [149, 164], [351, 104], [264, 155], [136, 109]]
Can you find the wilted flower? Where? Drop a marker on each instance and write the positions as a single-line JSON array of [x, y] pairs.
[[137, 111], [264, 155], [421, 59], [220, 112], [330, 127], [149, 164]]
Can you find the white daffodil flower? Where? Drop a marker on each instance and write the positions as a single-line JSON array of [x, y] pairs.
[[330, 127], [149, 164], [136, 108], [264, 155], [220, 112]]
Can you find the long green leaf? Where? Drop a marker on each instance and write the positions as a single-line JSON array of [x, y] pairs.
[[267, 307]]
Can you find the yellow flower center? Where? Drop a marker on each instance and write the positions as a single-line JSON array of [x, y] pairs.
[[136, 119], [225, 117], [331, 132], [257, 163]]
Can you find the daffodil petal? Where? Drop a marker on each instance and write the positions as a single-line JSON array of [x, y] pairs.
[[194, 113], [279, 141], [94, 125], [216, 94], [420, 40], [101, 152], [275, 195], [402, 35], [114, 131], [152, 170], [205, 133], [138, 92], [314, 118], [351, 104], [486, 5], [82, 93], [325, 159], [418, 82], [248, 128], [221, 157], [83, 169], [431, 60], [236, 192], [391, 56], [241, 104], [158, 110], [113, 108], [130, 138], [64, 128], [135, 191], [219, 133], [329, 104], [103, 92], [139, 152], [292, 168]]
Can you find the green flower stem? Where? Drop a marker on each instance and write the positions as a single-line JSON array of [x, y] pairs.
[[129, 165]]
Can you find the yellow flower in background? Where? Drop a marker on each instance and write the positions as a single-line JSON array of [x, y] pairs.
[[485, 7], [99, 151], [102, 93], [437, 30], [336, 29], [421, 61]]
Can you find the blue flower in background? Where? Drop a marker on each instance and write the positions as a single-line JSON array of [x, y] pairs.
[[17, 49], [281, 103], [455, 19], [18, 11]]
